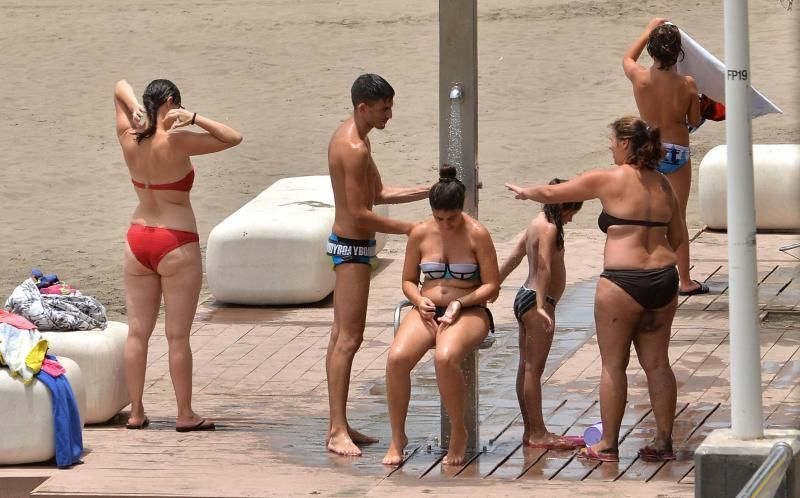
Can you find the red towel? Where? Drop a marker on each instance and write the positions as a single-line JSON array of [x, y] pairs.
[[15, 320], [711, 109]]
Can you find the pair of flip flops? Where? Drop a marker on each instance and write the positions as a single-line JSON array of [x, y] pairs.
[[203, 425], [700, 289]]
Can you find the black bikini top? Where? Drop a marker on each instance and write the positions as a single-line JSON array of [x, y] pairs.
[[605, 220]]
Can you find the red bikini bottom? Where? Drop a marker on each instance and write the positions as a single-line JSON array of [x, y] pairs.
[[151, 244]]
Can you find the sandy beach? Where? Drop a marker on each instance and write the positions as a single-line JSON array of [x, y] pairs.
[[279, 71]]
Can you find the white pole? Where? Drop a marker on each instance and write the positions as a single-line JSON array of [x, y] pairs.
[[745, 362]]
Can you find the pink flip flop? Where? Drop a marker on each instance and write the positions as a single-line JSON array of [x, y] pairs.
[[576, 440], [650, 454], [607, 455]]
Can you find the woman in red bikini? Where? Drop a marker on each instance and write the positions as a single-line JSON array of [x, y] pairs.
[[162, 254]]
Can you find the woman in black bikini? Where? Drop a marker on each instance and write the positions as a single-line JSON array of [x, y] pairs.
[[456, 256], [636, 297], [534, 307]]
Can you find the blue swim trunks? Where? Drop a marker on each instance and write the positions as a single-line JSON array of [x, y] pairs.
[[343, 250], [676, 156]]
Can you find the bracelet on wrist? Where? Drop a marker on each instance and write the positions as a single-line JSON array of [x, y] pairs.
[[193, 116]]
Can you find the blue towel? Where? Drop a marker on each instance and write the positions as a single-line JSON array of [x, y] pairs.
[[66, 420]]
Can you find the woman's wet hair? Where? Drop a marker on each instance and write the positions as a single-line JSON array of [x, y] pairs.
[[553, 214], [645, 142], [664, 45], [370, 88], [156, 95], [448, 193]]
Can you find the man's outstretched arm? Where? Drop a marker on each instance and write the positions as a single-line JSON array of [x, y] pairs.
[[400, 195]]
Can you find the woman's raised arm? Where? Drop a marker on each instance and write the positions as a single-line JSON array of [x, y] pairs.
[[629, 64], [218, 136], [128, 110]]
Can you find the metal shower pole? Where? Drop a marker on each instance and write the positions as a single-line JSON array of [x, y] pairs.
[[458, 85]]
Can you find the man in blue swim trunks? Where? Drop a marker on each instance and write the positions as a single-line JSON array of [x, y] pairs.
[[357, 187]]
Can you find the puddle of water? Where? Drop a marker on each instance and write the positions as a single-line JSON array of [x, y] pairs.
[[299, 439]]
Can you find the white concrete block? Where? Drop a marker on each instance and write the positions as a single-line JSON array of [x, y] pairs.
[[776, 172], [272, 250], [27, 416], [100, 354]]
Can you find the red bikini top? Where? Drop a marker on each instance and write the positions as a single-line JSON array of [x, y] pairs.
[[182, 185]]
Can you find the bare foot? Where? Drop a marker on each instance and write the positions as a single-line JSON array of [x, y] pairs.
[[395, 454], [341, 444], [360, 438], [550, 441], [457, 449], [137, 422]]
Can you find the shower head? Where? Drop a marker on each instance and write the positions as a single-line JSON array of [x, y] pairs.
[[457, 93]]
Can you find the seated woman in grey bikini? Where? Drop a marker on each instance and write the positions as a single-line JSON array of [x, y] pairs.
[[534, 307], [455, 254]]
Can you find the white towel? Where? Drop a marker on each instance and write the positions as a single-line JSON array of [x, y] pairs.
[[22, 351], [709, 73]]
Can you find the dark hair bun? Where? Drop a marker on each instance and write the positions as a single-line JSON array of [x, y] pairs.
[[448, 171]]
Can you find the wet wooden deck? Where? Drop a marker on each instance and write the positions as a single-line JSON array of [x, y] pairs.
[[260, 374]]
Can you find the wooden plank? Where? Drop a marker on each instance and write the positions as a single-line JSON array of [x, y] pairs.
[[789, 296], [506, 439], [571, 468], [686, 423], [786, 416], [675, 470], [771, 285], [717, 283], [721, 303], [688, 478], [639, 436], [702, 271], [262, 362], [719, 391], [521, 459]]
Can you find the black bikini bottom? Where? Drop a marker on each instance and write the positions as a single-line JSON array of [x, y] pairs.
[[441, 309], [526, 299], [652, 289]]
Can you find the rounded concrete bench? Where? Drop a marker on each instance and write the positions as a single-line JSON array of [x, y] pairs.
[[27, 416], [100, 354], [272, 250], [776, 181]]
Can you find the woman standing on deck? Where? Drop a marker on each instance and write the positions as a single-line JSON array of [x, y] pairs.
[[636, 296], [162, 254], [668, 101]]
